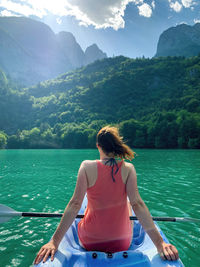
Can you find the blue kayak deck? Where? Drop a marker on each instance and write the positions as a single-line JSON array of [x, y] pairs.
[[141, 253]]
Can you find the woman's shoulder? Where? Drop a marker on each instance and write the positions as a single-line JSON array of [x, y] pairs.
[[126, 170], [90, 168], [88, 163], [128, 166]]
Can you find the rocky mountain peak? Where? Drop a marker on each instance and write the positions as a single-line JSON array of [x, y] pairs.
[[182, 40], [93, 53]]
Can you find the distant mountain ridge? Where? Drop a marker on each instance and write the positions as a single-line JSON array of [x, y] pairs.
[[31, 52], [182, 40]]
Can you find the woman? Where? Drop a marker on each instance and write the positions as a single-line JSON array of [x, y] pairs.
[[106, 225]]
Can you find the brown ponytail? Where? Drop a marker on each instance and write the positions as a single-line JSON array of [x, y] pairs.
[[111, 142]]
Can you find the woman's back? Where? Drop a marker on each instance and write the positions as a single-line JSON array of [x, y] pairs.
[[106, 225]]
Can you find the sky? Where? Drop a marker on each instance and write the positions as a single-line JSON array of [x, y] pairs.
[[119, 27]]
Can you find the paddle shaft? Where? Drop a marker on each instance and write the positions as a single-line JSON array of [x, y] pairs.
[[34, 214], [6, 213]]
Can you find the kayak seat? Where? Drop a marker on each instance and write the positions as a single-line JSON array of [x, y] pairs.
[[77, 256]]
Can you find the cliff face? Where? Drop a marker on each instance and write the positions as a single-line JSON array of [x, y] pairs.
[[182, 40], [31, 52]]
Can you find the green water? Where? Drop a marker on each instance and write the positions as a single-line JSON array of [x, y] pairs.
[[44, 180]]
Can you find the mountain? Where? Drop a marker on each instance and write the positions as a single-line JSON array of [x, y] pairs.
[[93, 53], [182, 40], [155, 102], [31, 52], [71, 49]]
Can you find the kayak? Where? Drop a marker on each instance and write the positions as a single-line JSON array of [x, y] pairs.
[[141, 253]]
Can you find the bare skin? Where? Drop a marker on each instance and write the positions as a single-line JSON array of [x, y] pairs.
[[87, 177]]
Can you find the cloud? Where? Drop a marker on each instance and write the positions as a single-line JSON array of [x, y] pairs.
[[176, 6], [98, 13], [182, 22], [20, 8], [153, 4], [196, 20], [6, 13], [59, 20], [187, 3], [101, 13], [145, 10]]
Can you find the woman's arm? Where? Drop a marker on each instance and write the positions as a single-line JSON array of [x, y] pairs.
[[67, 219], [167, 251]]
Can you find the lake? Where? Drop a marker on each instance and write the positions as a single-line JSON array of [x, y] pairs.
[[44, 180]]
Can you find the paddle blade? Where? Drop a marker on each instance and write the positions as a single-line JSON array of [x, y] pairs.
[[179, 219], [7, 213]]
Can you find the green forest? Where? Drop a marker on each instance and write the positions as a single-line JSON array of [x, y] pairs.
[[154, 102]]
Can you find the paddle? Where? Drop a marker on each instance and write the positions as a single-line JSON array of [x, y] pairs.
[[7, 213]]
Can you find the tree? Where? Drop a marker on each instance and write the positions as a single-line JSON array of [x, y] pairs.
[[128, 130], [3, 140]]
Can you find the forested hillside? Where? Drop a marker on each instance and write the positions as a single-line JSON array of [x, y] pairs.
[[155, 102]]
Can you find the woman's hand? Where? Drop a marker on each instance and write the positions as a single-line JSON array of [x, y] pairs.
[[45, 251], [167, 251]]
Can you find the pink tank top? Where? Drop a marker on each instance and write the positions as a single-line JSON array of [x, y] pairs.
[[106, 225]]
